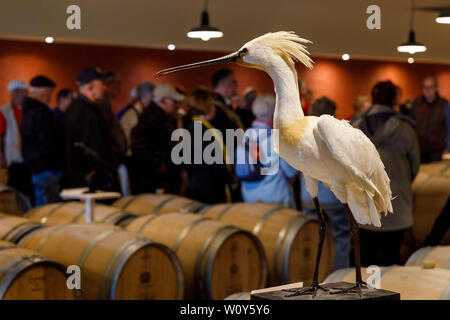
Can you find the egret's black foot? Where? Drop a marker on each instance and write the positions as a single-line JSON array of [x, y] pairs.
[[304, 291], [354, 289]]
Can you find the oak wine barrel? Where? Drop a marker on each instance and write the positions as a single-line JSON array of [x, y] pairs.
[[14, 228], [413, 283], [439, 256], [149, 203], [25, 275], [431, 193], [13, 201], [114, 264], [217, 259], [74, 212], [289, 238]]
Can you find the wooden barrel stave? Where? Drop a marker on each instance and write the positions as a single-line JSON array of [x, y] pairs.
[[13, 202], [25, 275], [216, 258], [14, 228], [74, 212], [439, 255], [284, 234], [148, 203], [109, 259], [431, 189]]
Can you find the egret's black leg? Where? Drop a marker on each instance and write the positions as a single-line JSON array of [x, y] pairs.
[[356, 252], [315, 283]]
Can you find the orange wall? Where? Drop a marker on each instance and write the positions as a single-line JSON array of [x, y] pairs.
[[339, 80]]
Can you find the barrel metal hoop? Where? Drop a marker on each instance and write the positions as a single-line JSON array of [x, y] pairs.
[[421, 183], [150, 218], [105, 283], [6, 247], [223, 211], [386, 269], [23, 232], [258, 226], [185, 231], [418, 256], [163, 203], [129, 251], [51, 212], [78, 216], [129, 201], [188, 206], [281, 257], [446, 166], [47, 236], [19, 265], [109, 215], [92, 244], [215, 246], [13, 229], [204, 249]]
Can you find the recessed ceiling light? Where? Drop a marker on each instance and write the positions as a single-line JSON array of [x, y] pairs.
[[171, 47], [345, 56], [410, 60], [49, 39]]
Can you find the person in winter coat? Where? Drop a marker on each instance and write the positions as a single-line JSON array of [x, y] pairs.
[[398, 146], [208, 182], [43, 142]]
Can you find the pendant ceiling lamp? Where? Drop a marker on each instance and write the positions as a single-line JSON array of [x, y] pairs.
[[205, 31], [444, 16], [444, 13], [411, 46]]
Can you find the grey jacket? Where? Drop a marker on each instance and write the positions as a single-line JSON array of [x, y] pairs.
[[396, 141]]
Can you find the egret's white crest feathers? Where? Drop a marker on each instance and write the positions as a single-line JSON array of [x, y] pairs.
[[288, 45]]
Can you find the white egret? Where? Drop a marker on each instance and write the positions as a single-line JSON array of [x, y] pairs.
[[323, 148]]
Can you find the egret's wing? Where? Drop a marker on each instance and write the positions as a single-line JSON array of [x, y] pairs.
[[357, 154]]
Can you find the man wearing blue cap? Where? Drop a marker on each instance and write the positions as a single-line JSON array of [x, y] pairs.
[[89, 152], [43, 142]]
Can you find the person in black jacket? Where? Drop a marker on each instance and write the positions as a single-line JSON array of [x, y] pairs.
[[89, 152], [42, 142], [208, 182], [151, 143]]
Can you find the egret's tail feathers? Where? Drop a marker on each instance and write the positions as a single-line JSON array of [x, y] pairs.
[[363, 206], [374, 215]]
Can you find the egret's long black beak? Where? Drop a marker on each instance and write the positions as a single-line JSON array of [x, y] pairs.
[[233, 57]]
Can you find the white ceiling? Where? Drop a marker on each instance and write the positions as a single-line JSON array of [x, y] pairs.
[[335, 26]]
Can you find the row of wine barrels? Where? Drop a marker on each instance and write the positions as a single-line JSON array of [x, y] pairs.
[[74, 212], [25, 275], [438, 256], [148, 203], [114, 264], [13, 201], [289, 238], [431, 193], [413, 283], [217, 259], [14, 228]]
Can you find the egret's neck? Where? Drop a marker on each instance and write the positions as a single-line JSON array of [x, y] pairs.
[[288, 107]]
